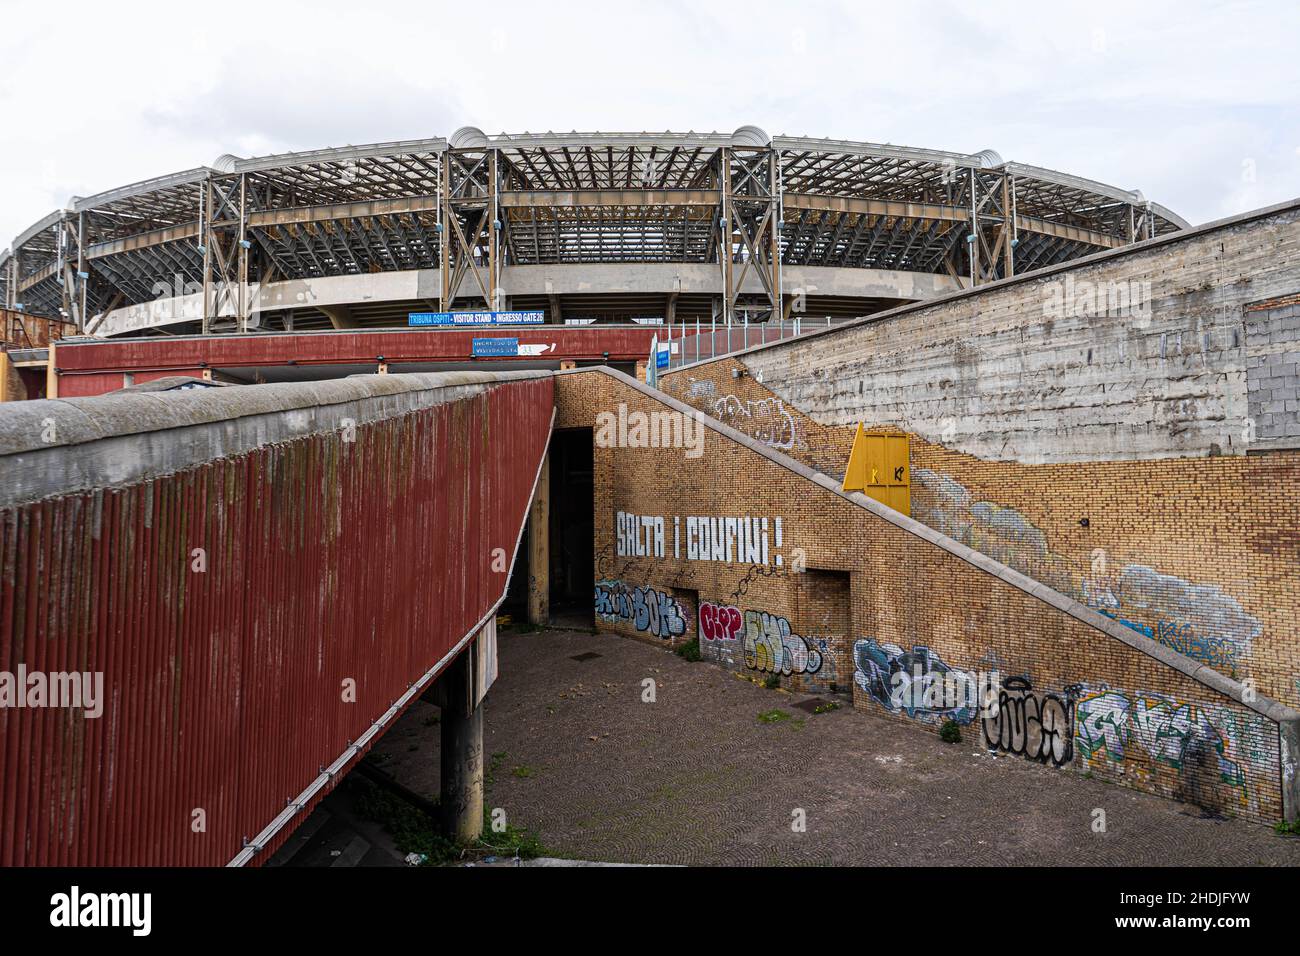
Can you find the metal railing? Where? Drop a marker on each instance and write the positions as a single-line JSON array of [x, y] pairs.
[[688, 343]]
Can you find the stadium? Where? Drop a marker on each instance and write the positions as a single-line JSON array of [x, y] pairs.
[[583, 228]]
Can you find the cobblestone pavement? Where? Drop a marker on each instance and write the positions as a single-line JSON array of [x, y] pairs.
[[696, 778]]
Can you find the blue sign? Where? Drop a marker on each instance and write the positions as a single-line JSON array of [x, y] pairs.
[[662, 357], [495, 347], [475, 318]]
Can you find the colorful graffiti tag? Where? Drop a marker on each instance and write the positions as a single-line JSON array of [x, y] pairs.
[[1199, 620], [1181, 637], [721, 628], [1103, 725], [647, 609], [1215, 651], [1037, 726], [1110, 724], [916, 682], [720, 622], [1004, 534], [763, 642], [770, 646]]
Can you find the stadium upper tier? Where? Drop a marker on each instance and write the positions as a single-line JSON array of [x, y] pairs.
[[586, 226]]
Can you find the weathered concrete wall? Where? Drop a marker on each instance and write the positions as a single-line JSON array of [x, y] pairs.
[[550, 279], [777, 573], [1140, 353], [1273, 372]]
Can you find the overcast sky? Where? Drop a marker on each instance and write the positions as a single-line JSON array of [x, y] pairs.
[[1197, 104]]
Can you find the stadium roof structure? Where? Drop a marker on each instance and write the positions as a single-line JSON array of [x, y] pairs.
[[464, 210]]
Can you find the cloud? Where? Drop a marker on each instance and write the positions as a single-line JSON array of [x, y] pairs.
[[1172, 98]]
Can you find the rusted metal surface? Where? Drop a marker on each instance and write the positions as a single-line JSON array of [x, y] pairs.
[[327, 560], [21, 331], [92, 368]]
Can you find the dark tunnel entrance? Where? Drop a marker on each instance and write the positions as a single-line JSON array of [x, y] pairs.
[[572, 528]]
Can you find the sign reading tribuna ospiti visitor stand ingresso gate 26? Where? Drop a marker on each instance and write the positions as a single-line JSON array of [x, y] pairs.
[[476, 318]]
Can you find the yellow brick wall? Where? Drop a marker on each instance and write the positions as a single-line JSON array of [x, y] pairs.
[[1220, 535], [911, 605]]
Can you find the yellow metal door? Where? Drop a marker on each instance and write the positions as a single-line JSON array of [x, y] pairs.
[[880, 467]]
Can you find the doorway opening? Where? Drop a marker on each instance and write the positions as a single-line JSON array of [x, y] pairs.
[[572, 528]]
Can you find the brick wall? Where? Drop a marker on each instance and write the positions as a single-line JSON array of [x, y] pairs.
[[828, 590], [1202, 554]]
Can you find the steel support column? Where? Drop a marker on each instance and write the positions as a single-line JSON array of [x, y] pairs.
[[470, 221], [1141, 223], [990, 239], [72, 273], [749, 227], [223, 231], [11, 284]]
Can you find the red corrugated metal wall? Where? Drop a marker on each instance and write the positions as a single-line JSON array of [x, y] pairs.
[[94, 367], [326, 560]]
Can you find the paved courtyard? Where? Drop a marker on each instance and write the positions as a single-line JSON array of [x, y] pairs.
[[697, 778]]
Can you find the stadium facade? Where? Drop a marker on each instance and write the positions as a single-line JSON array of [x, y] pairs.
[[583, 227]]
